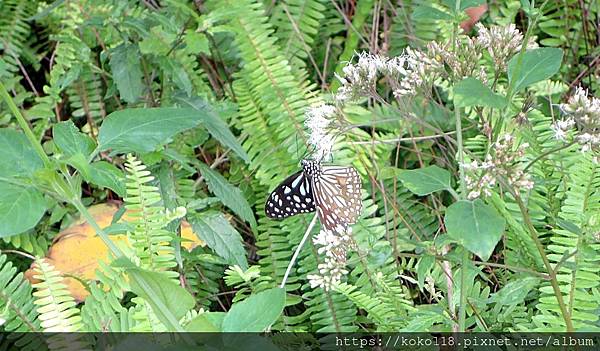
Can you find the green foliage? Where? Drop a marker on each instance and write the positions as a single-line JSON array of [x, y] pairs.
[[211, 100]]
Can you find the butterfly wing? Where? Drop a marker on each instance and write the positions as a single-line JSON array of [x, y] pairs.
[[293, 196], [337, 192]]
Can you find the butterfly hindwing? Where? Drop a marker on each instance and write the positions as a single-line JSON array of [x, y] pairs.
[[293, 196], [337, 193]]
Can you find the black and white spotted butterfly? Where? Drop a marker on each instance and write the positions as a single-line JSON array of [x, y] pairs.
[[333, 191]]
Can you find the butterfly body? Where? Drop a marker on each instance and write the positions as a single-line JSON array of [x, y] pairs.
[[333, 191]]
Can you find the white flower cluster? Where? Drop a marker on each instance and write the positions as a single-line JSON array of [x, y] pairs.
[[482, 177], [317, 121], [334, 246], [584, 113], [502, 42], [407, 72]]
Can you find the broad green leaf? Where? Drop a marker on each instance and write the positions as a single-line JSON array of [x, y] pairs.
[[256, 313], [169, 301], [80, 163], [537, 64], [70, 141], [206, 322], [17, 156], [229, 195], [424, 181], [143, 130], [475, 225], [20, 208], [471, 92], [127, 72], [106, 175], [178, 74], [514, 292], [215, 125], [427, 12], [219, 235]]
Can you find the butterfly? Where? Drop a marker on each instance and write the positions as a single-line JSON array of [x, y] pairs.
[[333, 191]]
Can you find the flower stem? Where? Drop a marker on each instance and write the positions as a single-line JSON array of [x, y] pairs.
[[551, 272], [549, 152], [297, 252]]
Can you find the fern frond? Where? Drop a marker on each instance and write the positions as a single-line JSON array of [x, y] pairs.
[[17, 307], [151, 242], [56, 307], [297, 23]]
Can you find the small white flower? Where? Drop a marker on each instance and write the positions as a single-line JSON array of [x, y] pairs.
[[317, 121]]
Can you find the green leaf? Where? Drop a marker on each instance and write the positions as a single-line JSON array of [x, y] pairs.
[[476, 226], [256, 313], [70, 141], [424, 181], [177, 74], [106, 175], [427, 12], [464, 4], [20, 208], [17, 156], [472, 92], [514, 292], [196, 42], [229, 195], [127, 72], [143, 130], [537, 64], [214, 229], [80, 163], [169, 301], [206, 322], [215, 125]]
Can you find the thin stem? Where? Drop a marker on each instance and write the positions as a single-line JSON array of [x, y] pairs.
[[543, 155], [99, 231], [24, 125], [552, 273], [297, 252]]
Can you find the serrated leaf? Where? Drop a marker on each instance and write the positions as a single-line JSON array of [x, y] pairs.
[[424, 181], [70, 141], [20, 208], [215, 125], [256, 313], [229, 195], [127, 72], [536, 65], [476, 226], [17, 156], [143, 130], [471, 92], [214, 229]]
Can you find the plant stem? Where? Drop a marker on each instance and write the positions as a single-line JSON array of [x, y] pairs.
[[24, 125], [543, 155], [99, 231], [551, 272], [297, 252]]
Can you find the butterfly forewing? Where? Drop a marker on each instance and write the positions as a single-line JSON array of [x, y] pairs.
[[293, 196], [337, 192]]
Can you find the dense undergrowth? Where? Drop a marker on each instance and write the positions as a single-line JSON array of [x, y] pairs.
[[192, 112]]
